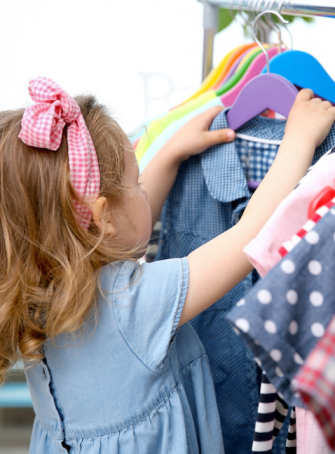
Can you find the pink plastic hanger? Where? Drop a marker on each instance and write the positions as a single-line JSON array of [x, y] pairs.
[[232, 70], [254, 70]]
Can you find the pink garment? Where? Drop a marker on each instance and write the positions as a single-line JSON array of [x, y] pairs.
[[310, 438], [315, 382], [290, 215], [263, 253], [42, 127]]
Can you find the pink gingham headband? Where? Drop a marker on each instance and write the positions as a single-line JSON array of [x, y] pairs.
[[42, 127]]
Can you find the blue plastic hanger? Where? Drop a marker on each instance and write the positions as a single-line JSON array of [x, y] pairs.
[[304, 71]]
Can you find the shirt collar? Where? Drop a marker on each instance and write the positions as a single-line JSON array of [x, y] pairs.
[[221, 164]]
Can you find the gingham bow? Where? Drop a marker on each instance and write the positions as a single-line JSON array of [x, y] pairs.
[[42, 127]]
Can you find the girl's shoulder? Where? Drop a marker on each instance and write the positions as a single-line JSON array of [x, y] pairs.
[[131, 276], [147, 301]]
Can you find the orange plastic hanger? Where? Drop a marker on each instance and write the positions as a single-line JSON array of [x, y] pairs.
[[230, 61], [216, 73]]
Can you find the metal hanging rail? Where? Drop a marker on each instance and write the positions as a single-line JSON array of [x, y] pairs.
[[324, 8]]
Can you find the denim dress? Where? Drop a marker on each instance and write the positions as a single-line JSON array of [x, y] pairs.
[[131, 382]]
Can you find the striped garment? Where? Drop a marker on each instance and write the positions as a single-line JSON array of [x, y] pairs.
[[312, 378], [271, 414], [272, 409]]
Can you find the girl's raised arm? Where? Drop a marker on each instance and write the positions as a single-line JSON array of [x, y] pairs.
[[219, 265], [216, 267]]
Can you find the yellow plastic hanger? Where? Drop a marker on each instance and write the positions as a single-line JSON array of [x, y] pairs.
[[216, 73]]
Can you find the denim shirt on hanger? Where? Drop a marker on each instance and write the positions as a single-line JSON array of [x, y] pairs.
[[208, 197]]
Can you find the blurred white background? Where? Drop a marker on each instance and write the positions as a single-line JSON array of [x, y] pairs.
[[109, 47]]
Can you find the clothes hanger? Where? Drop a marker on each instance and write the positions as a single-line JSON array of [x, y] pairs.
[[238, 64], [261, 59], [304, 71], [216, 73], [242, 71], [254, 70], [215, 79], [265, 91], [249, 47], [323, 197], [238, 74], [231, 61], [243, 66], [233, 69]]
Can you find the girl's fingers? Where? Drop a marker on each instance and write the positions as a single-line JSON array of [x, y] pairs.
[[210, 114], [305, 95], [220, 136], [316, 101], [326, 104]]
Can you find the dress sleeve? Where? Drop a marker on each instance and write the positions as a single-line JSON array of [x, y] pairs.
[[148, 300]]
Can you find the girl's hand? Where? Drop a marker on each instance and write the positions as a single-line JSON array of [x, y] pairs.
[[310, 119], [194, 138], [216, 267]]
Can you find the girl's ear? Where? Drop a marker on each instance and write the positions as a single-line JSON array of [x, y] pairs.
[[97, 216]]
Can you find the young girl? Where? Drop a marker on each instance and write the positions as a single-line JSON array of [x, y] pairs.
[[111, 362]]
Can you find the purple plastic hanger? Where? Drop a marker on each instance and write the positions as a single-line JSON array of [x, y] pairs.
[[254, 70], [253, 184], [232, 70], [266, 91]]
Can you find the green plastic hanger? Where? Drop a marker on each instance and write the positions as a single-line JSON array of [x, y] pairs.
[[237, 76]]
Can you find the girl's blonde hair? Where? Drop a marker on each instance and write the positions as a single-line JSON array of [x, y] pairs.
[[49, 263]]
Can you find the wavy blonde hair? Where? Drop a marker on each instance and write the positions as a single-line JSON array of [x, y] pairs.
[[48, 263]]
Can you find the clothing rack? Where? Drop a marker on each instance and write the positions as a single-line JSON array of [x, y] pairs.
[[325, 8]]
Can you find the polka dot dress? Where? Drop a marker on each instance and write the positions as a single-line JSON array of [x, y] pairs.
[[286, 313]]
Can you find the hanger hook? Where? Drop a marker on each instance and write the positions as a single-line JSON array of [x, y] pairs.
[[269, 20], [265, 24], [280, 5], [274, 27], [233, 14], [286, 28], [261, 28], [254, 25], [251, 15], [239, 11]]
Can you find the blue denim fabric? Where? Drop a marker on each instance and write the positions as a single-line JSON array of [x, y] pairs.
[[208, 197], [285, 314], [134, 383]]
